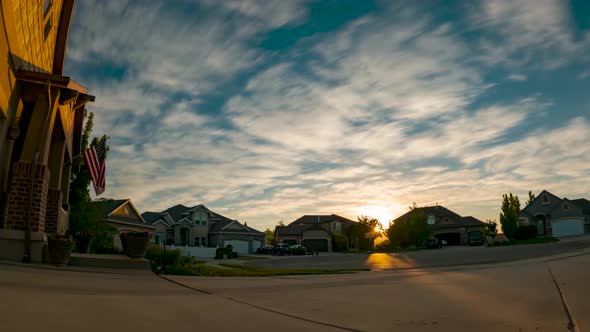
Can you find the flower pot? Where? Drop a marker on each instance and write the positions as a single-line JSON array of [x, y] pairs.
[[134, 247], [83, 243], [59, 251]]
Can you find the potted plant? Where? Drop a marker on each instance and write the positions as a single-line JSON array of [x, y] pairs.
[[84, 241], [135, 243], [60, 248]]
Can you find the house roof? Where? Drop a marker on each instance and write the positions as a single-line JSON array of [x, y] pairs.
[[470, 221], [314, 219], [583, 204], [151, 217], [108, 206], [438, 211]]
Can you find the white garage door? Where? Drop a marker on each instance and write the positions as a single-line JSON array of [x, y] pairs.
[[256, 244], [567, 227], [240, 246]]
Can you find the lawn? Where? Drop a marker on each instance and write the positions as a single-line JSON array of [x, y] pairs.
[[239, 270], [527, 241]]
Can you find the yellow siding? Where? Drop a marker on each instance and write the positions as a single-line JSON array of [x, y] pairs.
[[67, 119], [36, 50]]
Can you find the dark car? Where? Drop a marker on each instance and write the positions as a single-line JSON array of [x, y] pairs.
[[298, 250], [433, 244], [282, 249], [265, 250], [475, 238]]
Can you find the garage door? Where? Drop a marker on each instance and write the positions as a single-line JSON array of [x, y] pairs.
[[256, 244], [240, 246], [567, 227], [453, 239], [316, 244]]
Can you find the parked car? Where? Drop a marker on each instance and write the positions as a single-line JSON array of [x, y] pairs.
[[433, 244], [266, 250], [444, 242], [282, 249], [298, 250]]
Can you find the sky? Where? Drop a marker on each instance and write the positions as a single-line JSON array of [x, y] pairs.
[[266, 110]]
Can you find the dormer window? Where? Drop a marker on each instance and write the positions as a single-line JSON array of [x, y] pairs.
[[565, 206], [545, 199], [430, 220]]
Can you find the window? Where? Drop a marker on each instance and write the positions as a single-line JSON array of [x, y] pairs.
[[47, 28], [203, 242], [203, 217], [430, 220], [46, 7], [545, 199], [158, 239], [333, 226], [197, 241], [565, 206]]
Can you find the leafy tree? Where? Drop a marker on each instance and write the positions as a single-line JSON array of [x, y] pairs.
[[365, 225], [531, 198], [85, 217], [338, 242], [270, 236], [412, 230], [281, 223], [491, 229], [509, 215]]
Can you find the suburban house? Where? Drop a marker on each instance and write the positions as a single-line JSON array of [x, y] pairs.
[[448, 225], [41, 123], [556, 216], [121, 214], [315, 232], [198, 226]]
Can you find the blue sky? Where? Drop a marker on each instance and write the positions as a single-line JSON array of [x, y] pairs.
[[265, 110]]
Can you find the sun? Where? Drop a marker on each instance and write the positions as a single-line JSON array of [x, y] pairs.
[[381, 213]]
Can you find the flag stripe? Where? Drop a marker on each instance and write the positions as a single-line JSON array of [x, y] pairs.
[[96, 168]]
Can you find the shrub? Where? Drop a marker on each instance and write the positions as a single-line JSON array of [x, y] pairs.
[[526, 232], [234, 254], [219, 253], [338, 242], [159, 257]]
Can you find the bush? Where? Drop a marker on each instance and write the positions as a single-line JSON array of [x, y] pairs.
[[159, 257], [338, 242], [234, 254], [219, 253], [526, 232]]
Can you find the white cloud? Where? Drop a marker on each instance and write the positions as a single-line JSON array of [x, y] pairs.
[[517, 77]]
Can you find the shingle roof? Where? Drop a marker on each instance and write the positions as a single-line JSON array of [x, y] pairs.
[[296, 229], [150, 216], [470, 221], [583, 204], [110, 205], [313, 219], [437, 210]]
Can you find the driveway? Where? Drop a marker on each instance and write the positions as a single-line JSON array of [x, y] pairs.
[[446, 257], [537, 295]]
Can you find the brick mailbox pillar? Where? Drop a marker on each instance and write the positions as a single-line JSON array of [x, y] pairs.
[[18, 196]]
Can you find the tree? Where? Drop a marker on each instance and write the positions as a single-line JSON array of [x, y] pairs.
[[491, 229], [85, 217], [531, 198], [509, 215], [365, 225], [412, 230], [270, 236], [281, 223]]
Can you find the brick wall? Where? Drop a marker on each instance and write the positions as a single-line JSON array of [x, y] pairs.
[[18, 196], [52, 213]]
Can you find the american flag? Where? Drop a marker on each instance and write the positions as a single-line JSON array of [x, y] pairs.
[[94, 158]]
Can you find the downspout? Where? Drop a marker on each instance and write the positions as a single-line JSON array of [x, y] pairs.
[[27, 256]]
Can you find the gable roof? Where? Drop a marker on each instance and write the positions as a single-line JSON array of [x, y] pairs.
[[315, 219], [108, 206], [554, 201], [150, 217], [438, 211]]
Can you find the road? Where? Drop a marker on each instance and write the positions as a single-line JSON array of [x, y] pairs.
[[543, 294], [446, 257]]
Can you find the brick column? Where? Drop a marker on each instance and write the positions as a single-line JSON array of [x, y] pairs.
[[52, 213], [18, 196]]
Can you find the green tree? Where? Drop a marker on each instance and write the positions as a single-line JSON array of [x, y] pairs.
[[270, 236], [491, 229], [365, 230], [85, 217], [338, 242], [412, 230], [531, 198], [509, 215]]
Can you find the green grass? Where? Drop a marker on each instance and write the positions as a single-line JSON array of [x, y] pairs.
[[250, 258], [527, 241], [238, 270]]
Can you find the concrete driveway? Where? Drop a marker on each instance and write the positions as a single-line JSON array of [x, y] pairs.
[[446, 257], [542, 294]]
